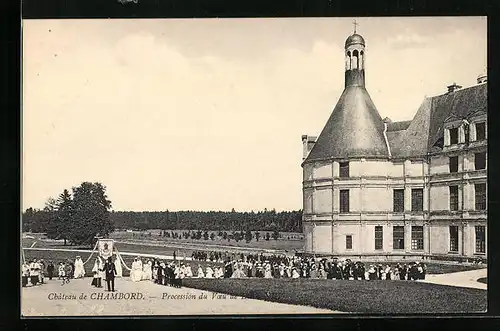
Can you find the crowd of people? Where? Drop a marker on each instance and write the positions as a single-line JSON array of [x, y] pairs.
[[282, 266], [35, 272], [221, 265]]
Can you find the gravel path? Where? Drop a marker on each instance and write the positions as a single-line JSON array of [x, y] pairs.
[[460, 279], [152, 299]]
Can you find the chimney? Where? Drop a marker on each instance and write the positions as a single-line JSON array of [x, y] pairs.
[[453, 87], [483, 78], [307, 144]]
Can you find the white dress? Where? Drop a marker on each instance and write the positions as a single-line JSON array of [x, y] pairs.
[[136, 272], [200, 274], [79, 269], [189, 272], [118, 267], [209, 273], [146, 271]]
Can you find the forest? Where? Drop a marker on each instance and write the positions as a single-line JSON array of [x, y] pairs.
[[286, 221]]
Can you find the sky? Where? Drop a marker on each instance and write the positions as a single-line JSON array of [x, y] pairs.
[[208, 114]]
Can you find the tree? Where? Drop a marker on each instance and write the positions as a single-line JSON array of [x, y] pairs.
[[267, 236], [64, 217], [91, 213], [257, 235], [205, 235], [212, 236], [276, 234]]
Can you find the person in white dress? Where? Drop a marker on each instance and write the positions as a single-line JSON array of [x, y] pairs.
[[136, 272], [295, 273], [200, 273], [98, 271], [147, 271], [34, 272], [209, 272], [79, 269], [267, 272], [189, 272], [118, 266]]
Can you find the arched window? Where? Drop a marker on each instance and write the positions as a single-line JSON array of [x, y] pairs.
[[361, 60], [355, 56]]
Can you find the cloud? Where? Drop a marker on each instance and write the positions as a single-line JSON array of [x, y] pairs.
[[407, 39]]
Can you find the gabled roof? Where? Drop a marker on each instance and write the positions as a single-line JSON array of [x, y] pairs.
[[354, 129], [426, 131]]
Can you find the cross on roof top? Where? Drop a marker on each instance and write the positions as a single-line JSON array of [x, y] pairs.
[[355, 25]]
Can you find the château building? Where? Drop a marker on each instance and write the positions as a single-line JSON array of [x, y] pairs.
[[392, 189]]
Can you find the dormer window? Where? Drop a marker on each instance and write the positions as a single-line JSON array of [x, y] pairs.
[[480, 131], [453, 136]]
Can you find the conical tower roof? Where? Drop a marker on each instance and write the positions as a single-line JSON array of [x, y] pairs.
[[354, 129]]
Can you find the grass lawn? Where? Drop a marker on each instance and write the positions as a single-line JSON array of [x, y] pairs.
[[376, 297], [483, 280], [280, 244]]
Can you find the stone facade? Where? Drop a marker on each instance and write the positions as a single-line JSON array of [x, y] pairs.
[[412, 203]]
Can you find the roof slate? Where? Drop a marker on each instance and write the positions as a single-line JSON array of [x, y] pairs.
[[427, 127], [354, 129]]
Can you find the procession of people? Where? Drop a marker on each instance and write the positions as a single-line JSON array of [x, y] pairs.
[[218, 265]]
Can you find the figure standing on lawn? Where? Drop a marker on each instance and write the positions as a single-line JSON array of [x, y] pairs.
[[110, 272], [98, 273], [60, 271], [50, 270]]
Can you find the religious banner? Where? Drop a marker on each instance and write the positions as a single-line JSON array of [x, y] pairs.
[[105, 247]]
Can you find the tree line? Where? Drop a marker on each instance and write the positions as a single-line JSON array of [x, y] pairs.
[[285, 221], [60, 219]]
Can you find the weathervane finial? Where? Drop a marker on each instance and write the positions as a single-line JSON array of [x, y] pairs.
[[355, 25]]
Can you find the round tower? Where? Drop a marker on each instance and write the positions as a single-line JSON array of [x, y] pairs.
[[355, 60]]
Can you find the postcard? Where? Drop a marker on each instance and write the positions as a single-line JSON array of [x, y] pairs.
[[253, 166]]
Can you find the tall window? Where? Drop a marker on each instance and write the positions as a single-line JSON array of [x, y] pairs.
[[344, 169], [480, 196], [398, 237], [480, 131], [417, 199], [344, 201], [398, 201], [454, 197], [417, 237], [348, 241], [480, 239], [454, 136], [454, 164], [453, 238], [480, 161], [379, 237]]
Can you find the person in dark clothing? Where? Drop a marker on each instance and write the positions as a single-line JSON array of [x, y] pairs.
[[228, 270], [50, 270], [72, 264], [411, 272], [110, 272], [424, 270]]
